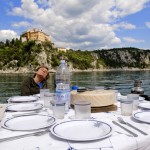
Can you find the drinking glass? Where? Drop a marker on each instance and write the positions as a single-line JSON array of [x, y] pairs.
[[135, 99], [82, 109], [42, 92], [58, 109], [48, 97], [126, 107]]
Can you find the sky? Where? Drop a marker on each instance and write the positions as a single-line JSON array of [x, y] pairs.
[[80, 24]]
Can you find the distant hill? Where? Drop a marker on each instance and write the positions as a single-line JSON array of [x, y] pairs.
[[19, 57], [124, 58]]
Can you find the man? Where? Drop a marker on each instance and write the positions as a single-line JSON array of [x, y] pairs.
[[32, 85]]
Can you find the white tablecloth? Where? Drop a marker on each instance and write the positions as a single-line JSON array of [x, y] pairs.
[[118, 141]]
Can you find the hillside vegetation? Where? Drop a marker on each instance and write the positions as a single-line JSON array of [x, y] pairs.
[[23, 57]]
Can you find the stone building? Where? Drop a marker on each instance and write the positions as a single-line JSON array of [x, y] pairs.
[[61, 49], [34, 35]]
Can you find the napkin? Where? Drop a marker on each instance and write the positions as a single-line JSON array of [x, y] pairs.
[[123, 142], [28, 143], [91, 145]]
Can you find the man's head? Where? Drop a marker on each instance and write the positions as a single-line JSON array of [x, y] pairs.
[[42, 71]]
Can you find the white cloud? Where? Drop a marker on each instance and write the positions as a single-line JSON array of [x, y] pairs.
[[80, 24], [124, 25], [29, 9], [7, 34], [126, 7], [21, 24], [132, 40], [147, 24]]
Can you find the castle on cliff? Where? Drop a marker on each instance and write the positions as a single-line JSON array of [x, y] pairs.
[[34, 35]]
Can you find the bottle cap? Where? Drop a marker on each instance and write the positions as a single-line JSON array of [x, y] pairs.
[[75, 87]]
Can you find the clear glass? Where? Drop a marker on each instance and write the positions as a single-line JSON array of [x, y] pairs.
[[48, 97], [59, 110], [135, 99], [42, 92], [126, 107], [82, 110]]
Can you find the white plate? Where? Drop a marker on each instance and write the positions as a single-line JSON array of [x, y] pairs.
[[22, 99], [29, 122], [141, 98], [142, 116], [37, 95], [145, 105], [25, 107], [82, 130]]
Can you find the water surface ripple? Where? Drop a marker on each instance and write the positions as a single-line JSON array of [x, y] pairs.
[[122, 81]]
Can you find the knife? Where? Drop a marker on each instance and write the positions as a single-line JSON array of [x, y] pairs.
[[114, 122], [136, 128]]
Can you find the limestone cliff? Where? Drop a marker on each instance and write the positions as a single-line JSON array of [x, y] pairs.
[[32, 55]]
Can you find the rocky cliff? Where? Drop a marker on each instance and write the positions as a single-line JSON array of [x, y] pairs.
[[25, 57], [125, 58]]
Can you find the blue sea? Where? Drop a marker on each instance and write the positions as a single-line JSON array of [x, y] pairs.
[[122, 81]]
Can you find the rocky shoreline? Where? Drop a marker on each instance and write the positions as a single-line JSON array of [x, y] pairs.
[[26, 70]]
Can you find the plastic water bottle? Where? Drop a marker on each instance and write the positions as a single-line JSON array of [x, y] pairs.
[[62, 80]]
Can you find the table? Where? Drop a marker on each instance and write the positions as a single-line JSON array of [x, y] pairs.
[[118, 141]]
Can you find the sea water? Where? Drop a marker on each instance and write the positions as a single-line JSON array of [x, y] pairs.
[[122, 81]]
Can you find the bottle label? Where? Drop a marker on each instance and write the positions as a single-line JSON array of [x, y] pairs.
[[64, 96]]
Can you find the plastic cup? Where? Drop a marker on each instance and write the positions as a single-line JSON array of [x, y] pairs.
[[126, 107], [58, 109], [82, 109], [135, 99]]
